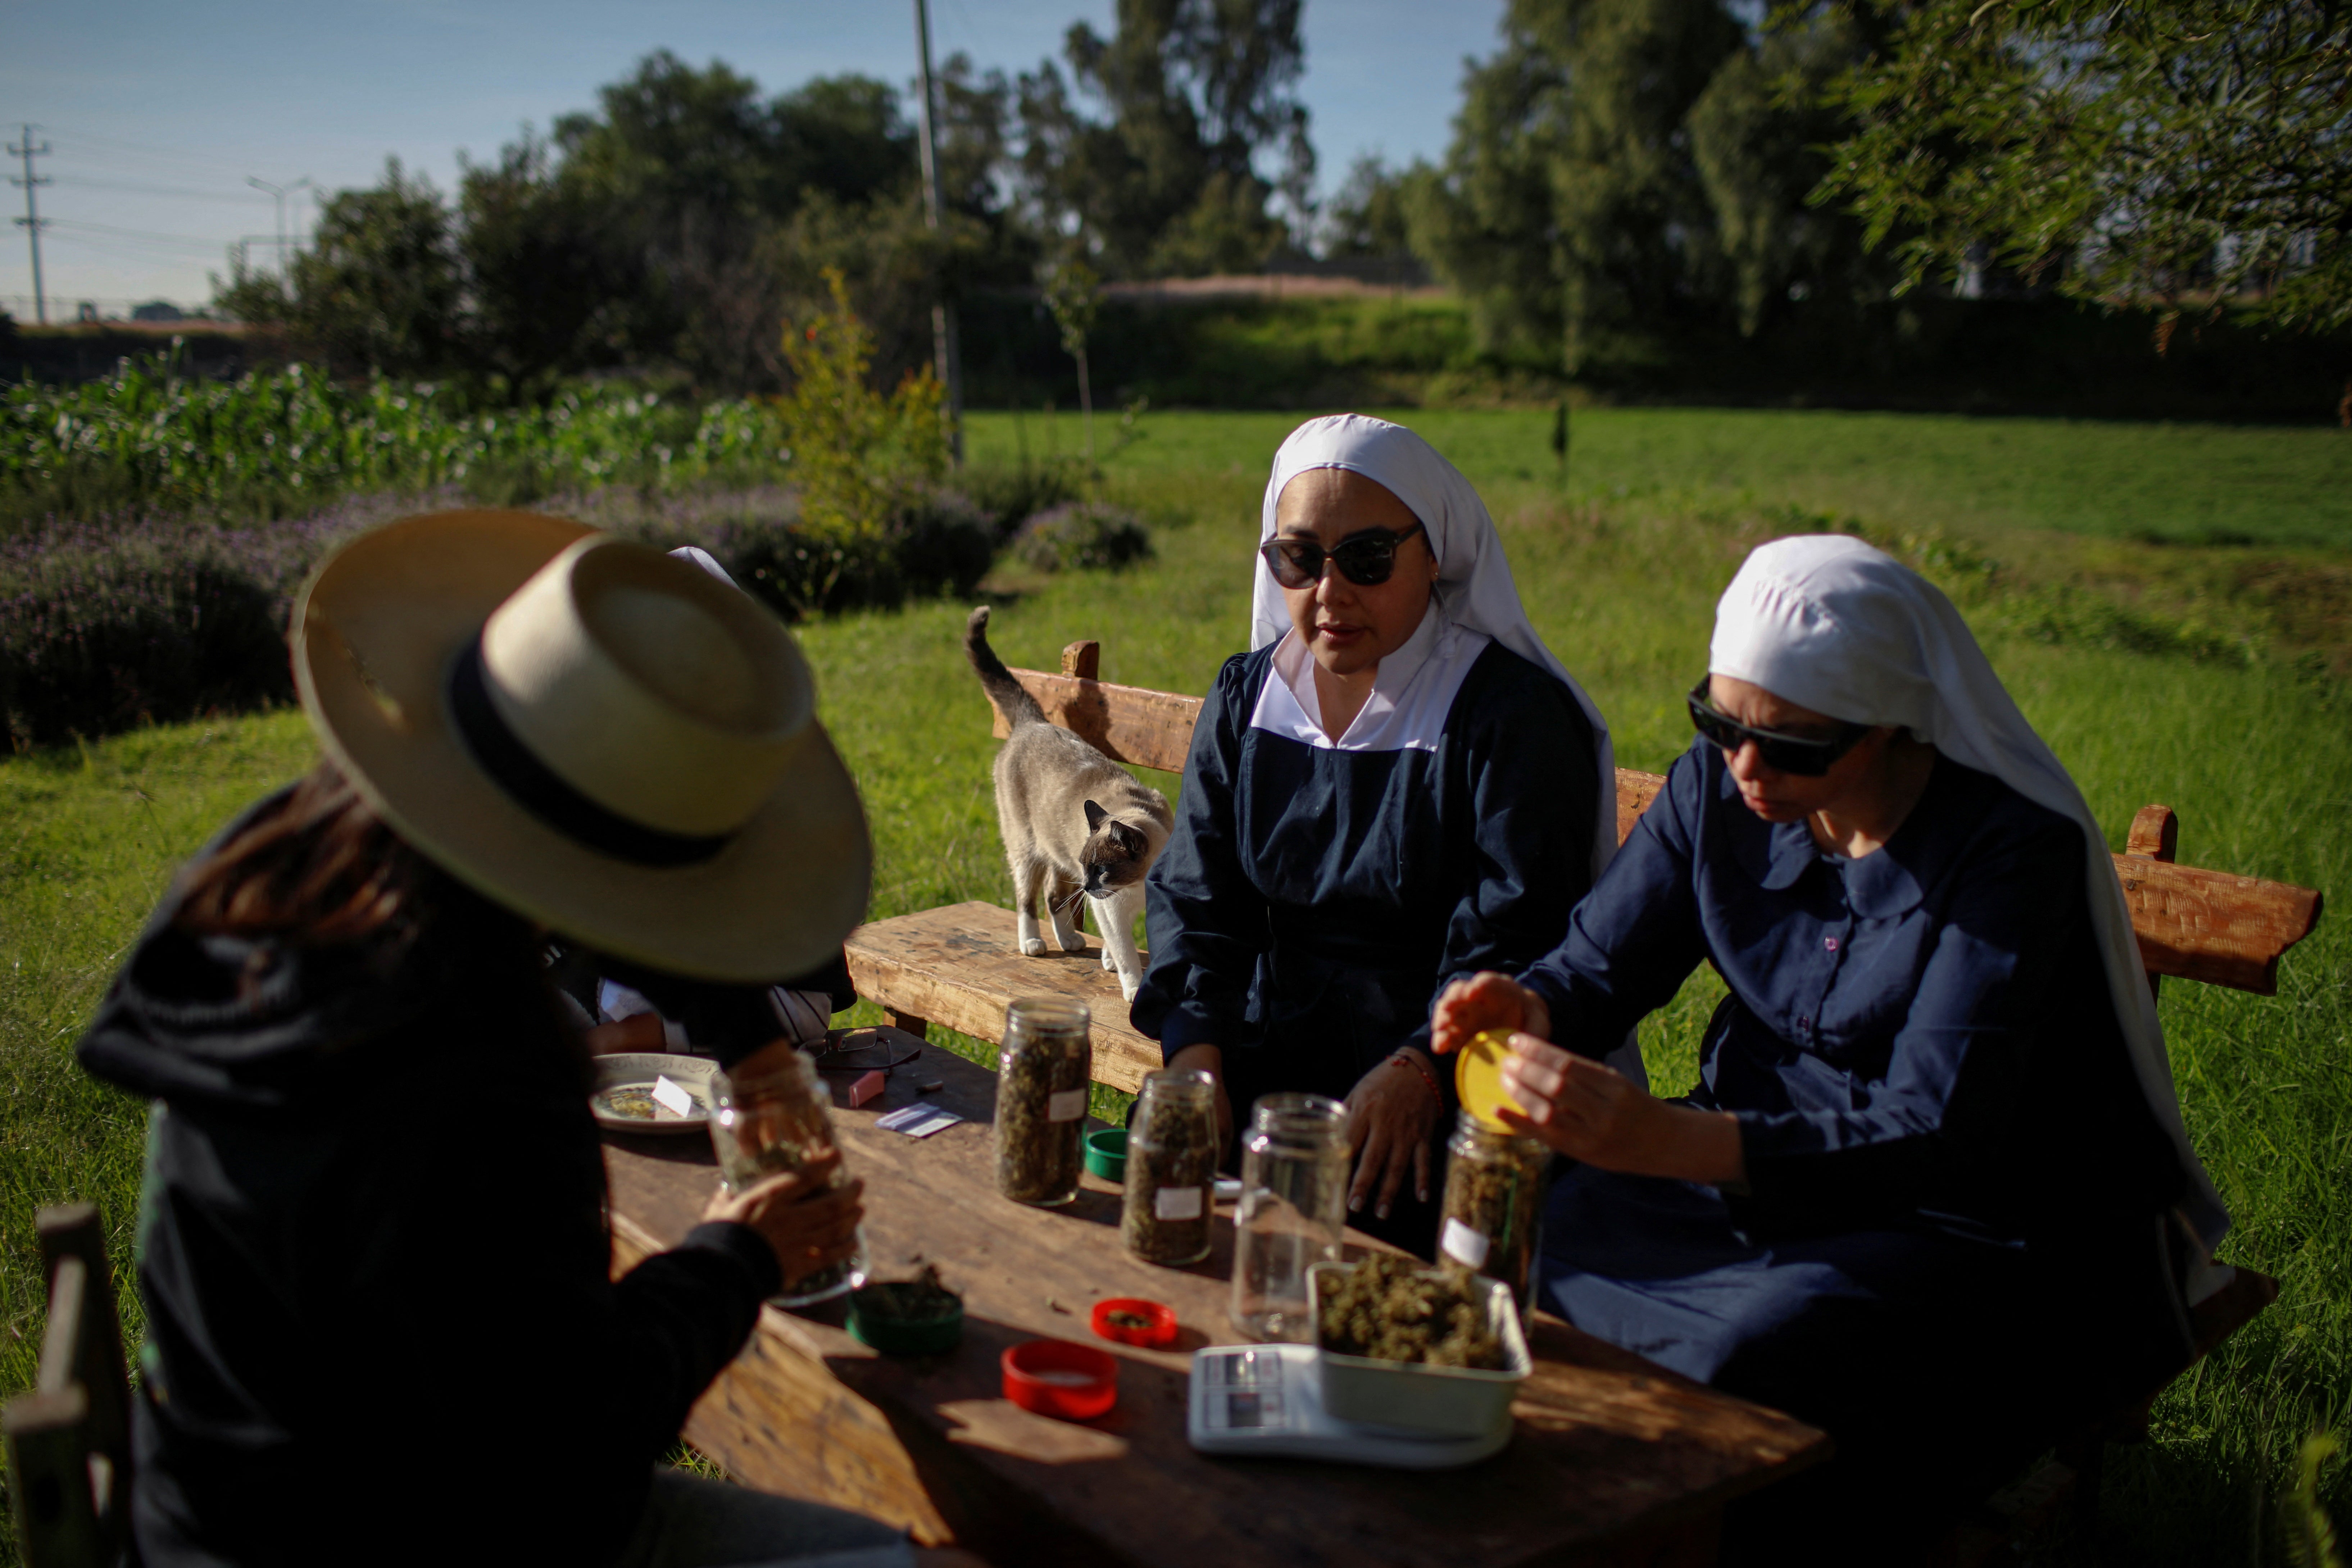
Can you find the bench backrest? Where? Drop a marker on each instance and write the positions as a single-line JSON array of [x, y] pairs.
[[2198, 924], [69, 1440]]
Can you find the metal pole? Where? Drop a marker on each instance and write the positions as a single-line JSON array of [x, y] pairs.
[[31, 222], [947, 352]]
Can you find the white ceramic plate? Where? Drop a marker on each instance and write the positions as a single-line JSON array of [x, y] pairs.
[[622, 1099]]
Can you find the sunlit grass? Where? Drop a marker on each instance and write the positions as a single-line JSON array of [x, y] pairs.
[[2256, 755]]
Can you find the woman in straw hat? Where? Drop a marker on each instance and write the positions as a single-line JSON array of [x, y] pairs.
[[1932, 1191], [1399, 783], [371, 1245]]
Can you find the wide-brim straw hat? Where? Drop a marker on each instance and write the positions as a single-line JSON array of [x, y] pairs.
[[592, 734]]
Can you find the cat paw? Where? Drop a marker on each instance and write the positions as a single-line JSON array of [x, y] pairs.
[[1073, 941], [1108, 962], [1127, 988], [1034, 946]]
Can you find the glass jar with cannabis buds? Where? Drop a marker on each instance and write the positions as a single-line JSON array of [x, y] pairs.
[[773, 1117], [1044, 1066], [1171, 1168], [1494, 1204]]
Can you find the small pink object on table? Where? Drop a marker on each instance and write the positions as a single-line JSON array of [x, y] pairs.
[[865, 1089]]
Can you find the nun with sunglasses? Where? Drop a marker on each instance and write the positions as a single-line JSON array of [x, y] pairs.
[[1399, 786], [1932, 1191]]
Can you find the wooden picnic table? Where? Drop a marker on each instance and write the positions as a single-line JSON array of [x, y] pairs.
[[1613, 1459]]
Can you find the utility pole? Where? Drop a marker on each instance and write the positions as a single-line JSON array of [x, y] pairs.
[[32, 222], [946, 350], [281, 192]]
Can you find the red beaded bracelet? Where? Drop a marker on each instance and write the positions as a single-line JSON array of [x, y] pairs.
[[1425, 1076]]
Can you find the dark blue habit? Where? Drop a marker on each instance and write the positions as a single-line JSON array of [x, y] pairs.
[[1311, 902], [1951, 1235]]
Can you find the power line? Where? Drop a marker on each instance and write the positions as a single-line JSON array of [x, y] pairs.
[[80, 183], [31, 223]]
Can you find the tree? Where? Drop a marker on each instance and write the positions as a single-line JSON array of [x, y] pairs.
[[1192, 92], [550, 292], [2152, 150], [1624, 169], [1367, 219], [1074, 295], [1571, 209], [379, 290]]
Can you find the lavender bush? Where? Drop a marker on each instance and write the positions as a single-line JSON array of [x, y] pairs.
[[105, 625], [1082, 534]]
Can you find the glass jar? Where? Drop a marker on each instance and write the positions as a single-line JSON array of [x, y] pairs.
[[1293, 1208], [1171, 1168], [1494, 1204], [1043, 1069], [775, 1119]]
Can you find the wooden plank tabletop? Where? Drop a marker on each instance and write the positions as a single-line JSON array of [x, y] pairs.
[[959, 964], [1612, 1459]]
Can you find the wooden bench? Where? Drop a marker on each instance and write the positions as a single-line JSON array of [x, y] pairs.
[[69, 1440], [957, 965]]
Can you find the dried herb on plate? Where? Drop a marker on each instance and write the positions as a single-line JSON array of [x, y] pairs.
[[1392, 1307]]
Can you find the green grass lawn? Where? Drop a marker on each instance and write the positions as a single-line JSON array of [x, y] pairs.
[[2254, 752], [2182, 483]]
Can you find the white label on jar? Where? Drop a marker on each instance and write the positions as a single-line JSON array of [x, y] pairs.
[[1465, 1246], [1067, 1106], [1177, 1203]]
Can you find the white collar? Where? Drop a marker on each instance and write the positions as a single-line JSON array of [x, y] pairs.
[[1412, 692]]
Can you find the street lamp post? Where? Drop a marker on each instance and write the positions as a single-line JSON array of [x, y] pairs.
[[280, 193]]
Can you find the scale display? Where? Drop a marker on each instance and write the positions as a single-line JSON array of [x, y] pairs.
[[1264, 1399]]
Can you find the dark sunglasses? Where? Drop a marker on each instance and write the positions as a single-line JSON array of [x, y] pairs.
[[1365, 559], [1783, 753]]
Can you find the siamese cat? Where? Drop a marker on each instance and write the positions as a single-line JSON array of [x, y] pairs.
[[1074, 823]]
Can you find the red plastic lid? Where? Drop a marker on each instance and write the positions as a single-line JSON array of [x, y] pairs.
[[1158, 1330], [1055, 1377]]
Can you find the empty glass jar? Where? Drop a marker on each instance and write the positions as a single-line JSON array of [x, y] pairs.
[[774, 1118], [1043, 1069], [1293, 1208], [1171, 1168], [1494, 1204]]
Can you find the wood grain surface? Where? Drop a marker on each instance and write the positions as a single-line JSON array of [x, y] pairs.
[[959, 965], [1613, 1459]]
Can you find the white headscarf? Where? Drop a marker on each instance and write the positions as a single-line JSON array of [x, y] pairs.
[[1830, 624], [1474, 581]]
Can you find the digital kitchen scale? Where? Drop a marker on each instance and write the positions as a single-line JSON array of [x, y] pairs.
[[1265, 1400]]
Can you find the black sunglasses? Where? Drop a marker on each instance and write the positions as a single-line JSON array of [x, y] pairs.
[[1785, 754], [1365, 559]]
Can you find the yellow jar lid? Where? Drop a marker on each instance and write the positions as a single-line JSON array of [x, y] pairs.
[[1478, 1078]]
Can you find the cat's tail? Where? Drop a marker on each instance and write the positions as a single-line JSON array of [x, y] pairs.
[[1012, 698]]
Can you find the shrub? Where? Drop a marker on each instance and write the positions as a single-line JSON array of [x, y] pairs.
[[936, 541], [1011, 496], [1082, 534], [99, 631]]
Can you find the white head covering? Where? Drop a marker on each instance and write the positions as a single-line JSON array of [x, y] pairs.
[[1830, 624], [1474, 581]]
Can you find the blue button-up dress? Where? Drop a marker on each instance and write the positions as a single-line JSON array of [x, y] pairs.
[[1311, 902], [1949, 1234]]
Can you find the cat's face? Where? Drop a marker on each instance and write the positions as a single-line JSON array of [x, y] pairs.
[[1116, 856]]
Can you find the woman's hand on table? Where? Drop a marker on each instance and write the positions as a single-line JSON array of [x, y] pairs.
[[810, 1225], [1487, 1000], [1389, 1113], [1210, 1060], [1590, 1111]]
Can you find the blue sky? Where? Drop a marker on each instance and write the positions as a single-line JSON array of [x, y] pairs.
[[157, 114]]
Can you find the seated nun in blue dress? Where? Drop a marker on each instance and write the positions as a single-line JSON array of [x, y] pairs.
[[1932, 1191], [1399, 786]]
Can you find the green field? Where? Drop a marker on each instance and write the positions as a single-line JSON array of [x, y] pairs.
[[2253, 747], [2187, 484]]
